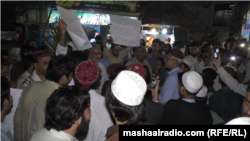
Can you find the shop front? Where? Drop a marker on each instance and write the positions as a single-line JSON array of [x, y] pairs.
[[246, 26]]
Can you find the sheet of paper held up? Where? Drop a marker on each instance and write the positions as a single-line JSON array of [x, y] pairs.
[[16, 94], [74, 28], [125, 31]]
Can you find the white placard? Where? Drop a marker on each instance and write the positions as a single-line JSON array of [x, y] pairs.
[[74, 28], [125, 31], [16, 93]]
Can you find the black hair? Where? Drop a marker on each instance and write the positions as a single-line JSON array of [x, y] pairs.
[[123, 112], [77, 57], [59, 66], [226, 52], [42, 48], [4, 62], [178, 44], [207, 81], [148, 79], [230, 71], [207, 44], [27, 61], [162, 43], [98, 38], [181, 83], [26, 48], [143, 42], [210, 72], [186, 66], [194, 44], [64, 106], [162, 61], [157, 41], [5, 90]]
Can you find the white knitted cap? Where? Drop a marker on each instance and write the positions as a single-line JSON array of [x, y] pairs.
[[129, 88], [192, 81], [239, 121]]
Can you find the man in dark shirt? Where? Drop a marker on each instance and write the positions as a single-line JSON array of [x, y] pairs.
[[226, 103], [185, 110]]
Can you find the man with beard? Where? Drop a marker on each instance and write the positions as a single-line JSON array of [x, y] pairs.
[[6, 105], [87, 76], [67, 115], [194, 52], [30, 116]]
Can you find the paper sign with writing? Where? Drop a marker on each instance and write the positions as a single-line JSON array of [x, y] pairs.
[[74, 28], [125, 31], [16, 94]]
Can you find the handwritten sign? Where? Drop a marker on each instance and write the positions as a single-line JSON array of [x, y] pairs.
[[74, 28], [125, 31], [16, 94]]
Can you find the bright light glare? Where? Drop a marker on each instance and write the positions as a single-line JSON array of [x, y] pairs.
[[147, 38], [232, 58], [164, 31], [82, 21], [242, 45], [153, 30]]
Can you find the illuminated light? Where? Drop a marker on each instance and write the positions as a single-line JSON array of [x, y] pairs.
[[242, 45], [82, 21], [17, 34], [153, 30], [232, 58], [147, 38], [164, 31]]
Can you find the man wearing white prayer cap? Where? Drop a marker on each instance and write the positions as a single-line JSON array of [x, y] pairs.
[[239, 121], [187, 64], [186, 110], [124, 99]]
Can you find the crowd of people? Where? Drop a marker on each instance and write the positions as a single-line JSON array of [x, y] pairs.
[[85, 95]]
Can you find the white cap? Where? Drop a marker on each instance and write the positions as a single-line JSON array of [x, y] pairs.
[[192, 81], [239, 121], [129, 88], [188, 61], [202, 92]]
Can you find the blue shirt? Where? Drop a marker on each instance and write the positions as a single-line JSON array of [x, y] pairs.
[[169, 89], [5, 133], [106, 63]]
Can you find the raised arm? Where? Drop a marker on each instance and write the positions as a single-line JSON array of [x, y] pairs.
[[105, 48], [62, 47]]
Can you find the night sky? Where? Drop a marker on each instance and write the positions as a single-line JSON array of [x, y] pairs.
[[8, 11]]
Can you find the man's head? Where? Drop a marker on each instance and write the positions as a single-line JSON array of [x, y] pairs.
[[77, 57], [167, 48], [230, 45], [87, 75], [194, 49], [209, 48], [113, 70], [95, 53], [26, 50], [190, 84], [115, 49], [5, 68], [60, 70], [6, 98], [156, 45], [159, 63], [174, 59], [246, 104], [140, 53], [125, 96], [186, 64], [177, 45], [162, 44], [98, 38], [27, 63], [41, 59], [210, 73], [225, 56], [68, 108]]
